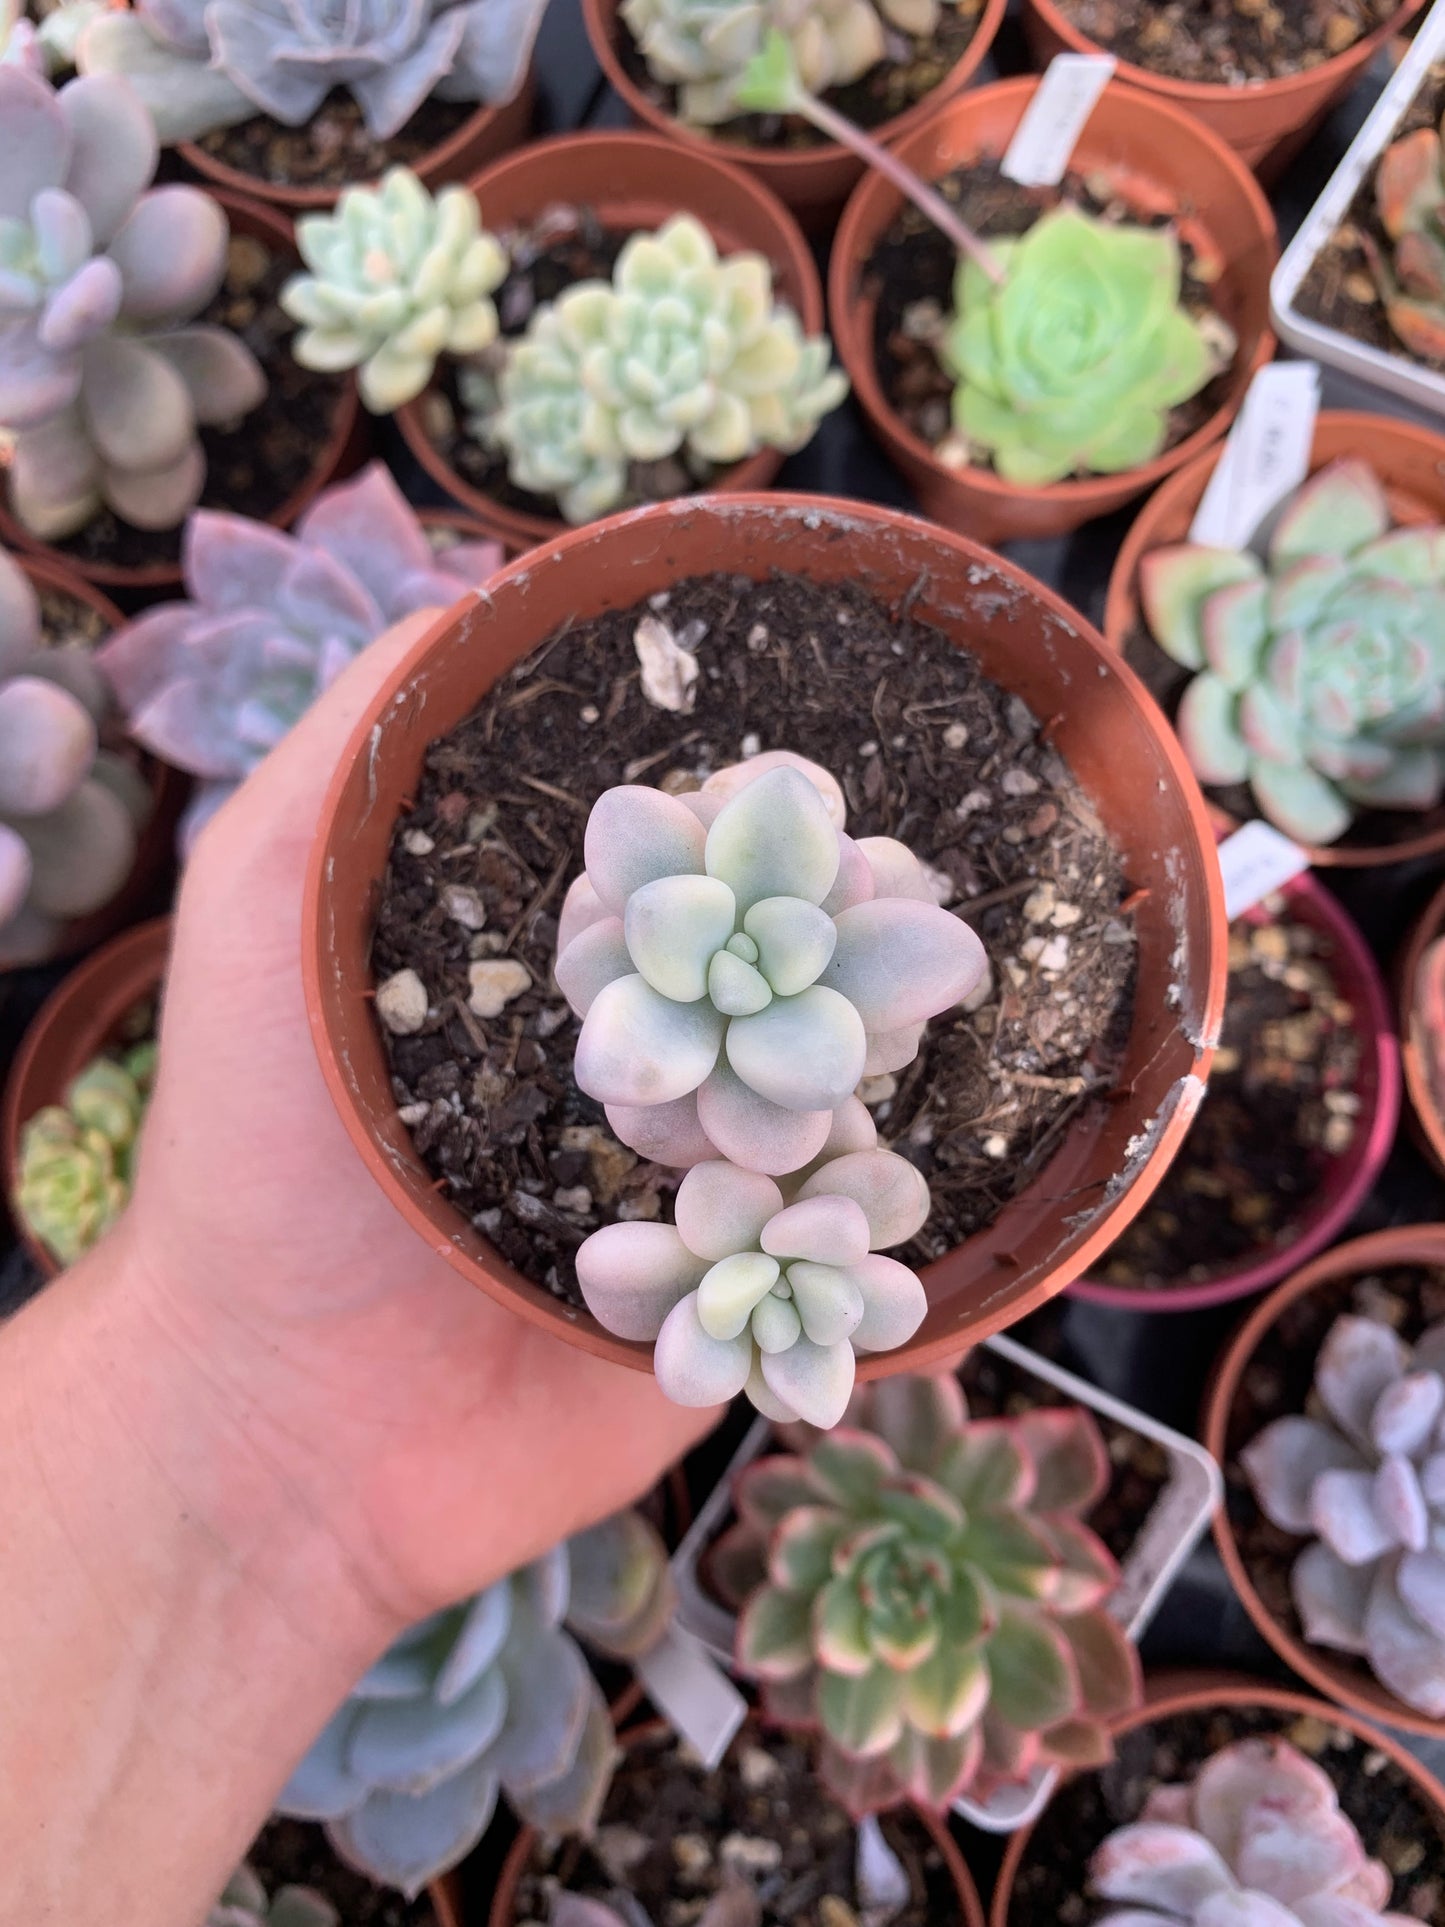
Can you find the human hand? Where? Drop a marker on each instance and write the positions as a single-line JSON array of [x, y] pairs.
[[438, 1440]]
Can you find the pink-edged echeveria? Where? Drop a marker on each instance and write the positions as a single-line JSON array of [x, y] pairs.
[[1257, 1839], [1410, 200], [922, 1587], [1365, 1482]]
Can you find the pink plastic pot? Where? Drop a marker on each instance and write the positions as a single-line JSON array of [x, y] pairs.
[[1347, 1179]]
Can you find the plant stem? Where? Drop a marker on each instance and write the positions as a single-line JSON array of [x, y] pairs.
[[839, 128]]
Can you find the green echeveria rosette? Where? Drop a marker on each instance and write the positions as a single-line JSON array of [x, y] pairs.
[[1074, 361], [1321, 668], [77, 1158]]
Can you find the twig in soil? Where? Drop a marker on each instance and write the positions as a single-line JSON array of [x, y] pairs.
[[1002, 895], [551, 789], [538, 901], [1066, 1086]]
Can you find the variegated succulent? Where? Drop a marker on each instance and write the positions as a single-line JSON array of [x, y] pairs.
[[207, 64], [1427, 1018], [739, 963], [397, 277], [493, 1695], [104, 375], [211, 684], [768, 1287], [1320, 669], [923, 1588], [1256, 1839], [1362, 1476], [245, 1903], [680, 354], [1410, 199], [77, 1158]]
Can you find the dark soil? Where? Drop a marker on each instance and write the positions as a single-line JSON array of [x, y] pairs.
[[673, 1835], [1339, 289], [1397, 1824], [1371, 829], [913, 67], [910, 278], [333, 148], [68, 623], [567, 246], [252, 468], [926, 749], [1277, 1381], [294, 1853], [1227, 42], [1281, 1107]]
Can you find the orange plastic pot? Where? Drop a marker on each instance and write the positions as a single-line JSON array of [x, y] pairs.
[[629, 181], [1409, 461], [338, 455], [74, 1024], [1266, 122], [480, 138], [1102, 722], [1352, 1687], [1427, 1123], [1213, 1693], [503, 1911], [813, 182], [1160, 160], [168, 787]]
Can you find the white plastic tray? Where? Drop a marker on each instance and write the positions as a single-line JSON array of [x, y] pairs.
[[1397, 374], [1166, 1539]]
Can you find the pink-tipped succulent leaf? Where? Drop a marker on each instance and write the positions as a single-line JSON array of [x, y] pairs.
[[924, 1590], [1256, 1840], [1365, 1482], [1410, 198]]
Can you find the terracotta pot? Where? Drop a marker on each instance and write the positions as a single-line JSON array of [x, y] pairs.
[[1267, 122], [1410, 461], [1357, 1689], [813, 182], [73, 1025], [1345, 1181], [1201, 1692], [338, 455], [503, 1911], [630, 181], [480, 138], [169, 788], [1104, 725], [1160, 160], [1426, 1121]]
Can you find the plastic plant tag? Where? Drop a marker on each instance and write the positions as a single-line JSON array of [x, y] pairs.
[[1256, 861], [1045, 139], [1266, 457], [693, 1694]]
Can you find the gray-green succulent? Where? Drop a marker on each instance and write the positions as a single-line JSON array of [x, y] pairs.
[[245, 1903]]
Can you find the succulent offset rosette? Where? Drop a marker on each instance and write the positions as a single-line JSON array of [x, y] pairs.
[[245, 1903], [1410, 198], [1321, 669], [922, 1587], [1363, 1476], [77, 1159], [703, 47], [1073, 361], [1257, 1839], [103, 372]]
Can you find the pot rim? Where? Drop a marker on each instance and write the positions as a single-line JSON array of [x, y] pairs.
[[1084, 495], [1120, 607], [782, 166], [1424, 1109], [503, 1911], [78, 1015], [347, 427], [808, 512], [1348, 1178], [592, 148], [1202, 93], [1208, 1691], [1363, 1697]]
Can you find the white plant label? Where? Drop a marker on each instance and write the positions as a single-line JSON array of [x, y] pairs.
[[693, 1694], [1045, 139], [1256, 861], [1266, 457]]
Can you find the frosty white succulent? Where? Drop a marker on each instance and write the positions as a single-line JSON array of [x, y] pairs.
[[398, 277], [739, 963], [681, 352], [765, 1287]]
